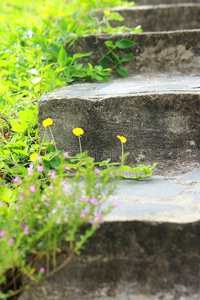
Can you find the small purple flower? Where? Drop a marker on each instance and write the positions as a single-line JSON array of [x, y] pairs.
[[111, 175], [5, 184], [2, 233], [17, 180], [30, 260], [11, 242], [53, 176], [94, 201], [84, 213], [21, 198], [40, 168], [65, 154], [42, 270], [30, 170], [99, 218], [26, 230], [85, 199], [32, 188], [65, 185], [39, 158], [1, 203], [47, 202], [67, 168], [116, 205], [97, 171], [92, 222]]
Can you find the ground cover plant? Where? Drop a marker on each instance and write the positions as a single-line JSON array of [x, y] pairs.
[[40, 205]]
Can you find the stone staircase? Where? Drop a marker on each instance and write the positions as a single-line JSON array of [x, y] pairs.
[[149, 248]]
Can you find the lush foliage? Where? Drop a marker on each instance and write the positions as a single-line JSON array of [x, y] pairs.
[[33, 61], [45, 209]]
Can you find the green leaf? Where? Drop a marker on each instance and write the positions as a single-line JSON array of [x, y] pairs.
[[35, 79], [122, 71], [62, 57], [125, 44], [109, 44], [16, 126], [127, 58]]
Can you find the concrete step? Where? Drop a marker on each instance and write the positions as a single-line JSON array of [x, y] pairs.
[[159, 116], [158, 17], [174, 52], [148, 248], [156, 2]]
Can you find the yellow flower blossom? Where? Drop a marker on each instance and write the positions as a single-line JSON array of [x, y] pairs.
[[45, 15], [47, 122], [122, 139], [60, 14], [2, 18], [78, 131], [106, 12], [33, 156]]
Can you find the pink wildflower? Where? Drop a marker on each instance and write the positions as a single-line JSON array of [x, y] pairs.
[[53, 176], [99, 218], [2, 233], [92, 222], [85, 199], [26, 230], [17, 180], [94, 201], [42, 270], [1, 203], [97, 171], [67, 168], [21, 198], [65, 185], [84, 213], [47, 202], [40, 168], [5, 184], [65, 154], [32, 188], [116, 205], [30, 170], [39, 158], [11, 242], [111, 175]]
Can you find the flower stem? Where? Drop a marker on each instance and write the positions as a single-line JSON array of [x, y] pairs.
[[53, 138], [79, 138], [122, 152]]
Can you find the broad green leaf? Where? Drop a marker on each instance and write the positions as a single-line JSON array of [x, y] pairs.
[[35, 79], [122, 71], [127, 58], [125, 44], [62, 57], [16, 126], [109, 44]]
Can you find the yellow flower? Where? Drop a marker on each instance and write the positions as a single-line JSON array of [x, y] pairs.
[[106, 12], [60, 14], [2, 18], [45, 15], [122, 139], [33, 156], [47, 122], [78, 131], [50, 40]]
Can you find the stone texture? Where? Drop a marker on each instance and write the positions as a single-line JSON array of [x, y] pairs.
[[130, 260], [159, 126], [158, 17], [155, 2], [175, 52]]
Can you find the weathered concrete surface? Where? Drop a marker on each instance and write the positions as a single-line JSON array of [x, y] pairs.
[[158, 116], [158, 17], [130, 260], [176, 52], [155, 2]]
